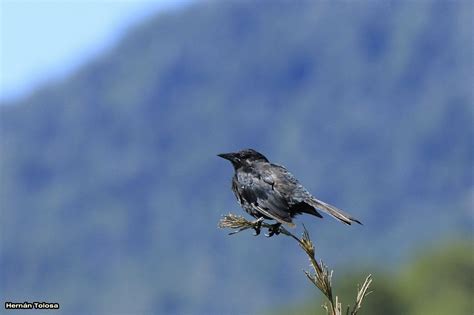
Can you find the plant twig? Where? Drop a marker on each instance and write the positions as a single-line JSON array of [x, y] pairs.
[[321, 276], [362, 292]]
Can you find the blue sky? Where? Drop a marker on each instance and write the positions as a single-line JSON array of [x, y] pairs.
[[46, 40]]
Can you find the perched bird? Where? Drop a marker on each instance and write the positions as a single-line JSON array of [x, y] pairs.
[[269, 191]]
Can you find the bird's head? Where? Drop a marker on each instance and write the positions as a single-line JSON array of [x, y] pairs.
[[243, 157]]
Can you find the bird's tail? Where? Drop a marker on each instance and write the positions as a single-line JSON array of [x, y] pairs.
[[333, 211]]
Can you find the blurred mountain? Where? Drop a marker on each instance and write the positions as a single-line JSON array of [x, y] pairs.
[[111, 190]]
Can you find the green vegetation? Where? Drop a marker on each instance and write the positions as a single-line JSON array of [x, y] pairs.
[[436, 282], [110, 189]]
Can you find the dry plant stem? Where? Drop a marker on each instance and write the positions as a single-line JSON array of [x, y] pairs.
[[362, 292], [321, 277]]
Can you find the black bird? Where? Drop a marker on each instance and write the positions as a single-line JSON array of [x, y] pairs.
[[269, 191]]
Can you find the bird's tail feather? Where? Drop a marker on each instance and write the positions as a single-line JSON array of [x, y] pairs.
[[333, 211]]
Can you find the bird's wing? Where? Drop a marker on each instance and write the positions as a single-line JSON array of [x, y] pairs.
[[260, 195], [290, 188], [285, 184]]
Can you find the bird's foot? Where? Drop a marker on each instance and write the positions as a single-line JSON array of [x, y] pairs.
[[274, 229], [257, 226]]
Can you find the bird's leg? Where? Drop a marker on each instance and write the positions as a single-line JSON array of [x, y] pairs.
[[274, 229], [257, 225]]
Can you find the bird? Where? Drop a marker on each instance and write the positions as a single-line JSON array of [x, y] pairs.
[[268, 191]]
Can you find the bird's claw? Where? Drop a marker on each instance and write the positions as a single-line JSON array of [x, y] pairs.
[[257, 226], [274, 229]]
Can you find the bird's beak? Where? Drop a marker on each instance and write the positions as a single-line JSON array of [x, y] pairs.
[[227, 156]]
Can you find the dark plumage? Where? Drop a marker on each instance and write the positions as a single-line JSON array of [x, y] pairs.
[[269, 191]]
